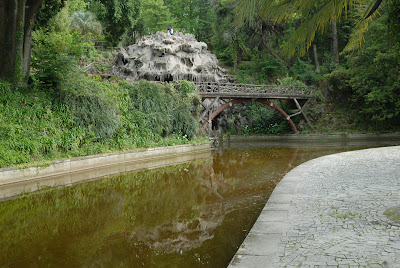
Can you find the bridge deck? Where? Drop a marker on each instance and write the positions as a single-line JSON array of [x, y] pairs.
[[252, 96], [217, 97], [248, 91]]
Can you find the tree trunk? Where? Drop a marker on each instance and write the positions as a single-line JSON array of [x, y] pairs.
[[28, 27], [16, 37], [235, 61], [8, 33], [276, 56], [335, 47], [317, 65], [235, 53], [20, 38]]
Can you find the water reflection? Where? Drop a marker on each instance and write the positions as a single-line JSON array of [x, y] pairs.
[[194, 214]]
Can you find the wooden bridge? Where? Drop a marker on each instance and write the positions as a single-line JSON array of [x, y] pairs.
[[217, 97]]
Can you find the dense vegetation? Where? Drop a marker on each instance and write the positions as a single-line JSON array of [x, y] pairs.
[[88, 117], [58, 111]]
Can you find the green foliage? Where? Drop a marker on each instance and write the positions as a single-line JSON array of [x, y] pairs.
[[262, 121], [50, 59], [119, 18], [255, 49], [269, 66], [159, 109], [77, 6], [371, 81], [315, 15], [48, 10], [55, 52], [93, 105], [186, 87], [156, 16], [262, 69], [394, 22], [90, 117], [290, 81], [304, 71], [229, 41], [31, 128], [192, 16], [266, 120], [85, 23]]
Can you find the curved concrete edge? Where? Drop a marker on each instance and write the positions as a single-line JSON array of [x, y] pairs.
[[262, 245], [59, 167]]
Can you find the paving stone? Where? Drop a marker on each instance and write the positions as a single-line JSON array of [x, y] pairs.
[[332, 214], [248, 261], [274, 216], [281, 198], [276, 206], [259, 244], [267, 227]]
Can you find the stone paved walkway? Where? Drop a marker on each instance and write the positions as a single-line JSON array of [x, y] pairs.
[[329, 212]]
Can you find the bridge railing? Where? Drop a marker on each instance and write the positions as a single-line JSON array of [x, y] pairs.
[[215, 87]]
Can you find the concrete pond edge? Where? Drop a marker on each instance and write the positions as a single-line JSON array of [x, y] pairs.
[[96, 166], [261, 245]]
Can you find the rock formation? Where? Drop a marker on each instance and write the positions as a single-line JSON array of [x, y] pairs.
[[165, 57]]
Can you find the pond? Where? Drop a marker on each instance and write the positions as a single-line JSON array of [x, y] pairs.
[[188, 215]]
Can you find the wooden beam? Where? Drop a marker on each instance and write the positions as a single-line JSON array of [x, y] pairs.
[[207, 110]]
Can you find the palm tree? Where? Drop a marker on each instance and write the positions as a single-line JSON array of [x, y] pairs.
[[316, 16], [85, 22]]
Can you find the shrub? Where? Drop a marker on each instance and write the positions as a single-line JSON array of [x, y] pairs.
[[55, 51], [304, 71], [158, 108], [94, 105], [90, 117], [31, 128]]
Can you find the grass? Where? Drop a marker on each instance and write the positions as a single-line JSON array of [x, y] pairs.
[[393, 214]]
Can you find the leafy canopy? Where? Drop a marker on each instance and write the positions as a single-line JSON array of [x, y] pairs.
[[316, 16], [118, 17], [156, 16]]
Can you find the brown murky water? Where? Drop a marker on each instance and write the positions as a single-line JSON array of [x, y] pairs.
[[188, 215]]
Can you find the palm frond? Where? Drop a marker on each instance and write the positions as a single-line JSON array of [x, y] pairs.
[[315, 16], [364, 18]]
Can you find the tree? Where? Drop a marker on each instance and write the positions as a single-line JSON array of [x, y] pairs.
[[77, 5], [48, 10], [85, 23], [16, 36], [229, 40], [18, 19], [193, 16], [335, 42], [55, 51], [316, 60], [371, 81], [155, 16], [118, 17], [266, 31], [317, 16]]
